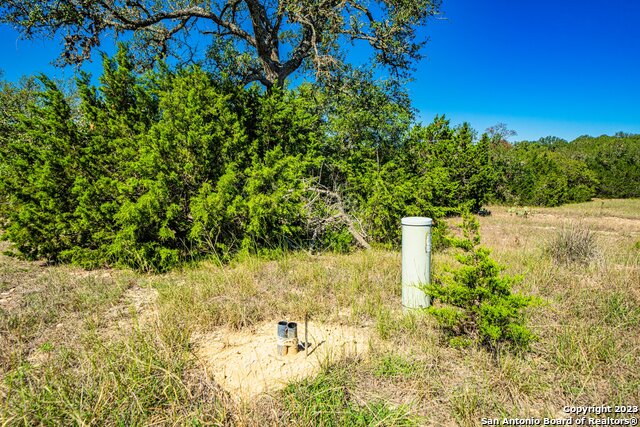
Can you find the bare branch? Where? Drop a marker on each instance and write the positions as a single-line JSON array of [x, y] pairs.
[[341, 215], [190, 12]]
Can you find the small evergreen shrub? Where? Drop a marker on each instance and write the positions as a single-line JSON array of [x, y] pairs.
[[475, 301], [573, 244]]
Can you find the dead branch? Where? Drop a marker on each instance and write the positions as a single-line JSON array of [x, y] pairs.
[[341, 215]]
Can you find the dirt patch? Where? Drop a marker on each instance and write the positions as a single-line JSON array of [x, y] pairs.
[[245, 363], [143, 300], [138, 305], [8, 300]]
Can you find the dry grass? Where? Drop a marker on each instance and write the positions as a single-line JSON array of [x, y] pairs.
[[113, 363], [574, 244]]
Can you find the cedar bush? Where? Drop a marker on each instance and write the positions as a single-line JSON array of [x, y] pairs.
[[153, 170], [38, 177], [475, 301]]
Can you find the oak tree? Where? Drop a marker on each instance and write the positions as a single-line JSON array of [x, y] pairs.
[[253, 40]]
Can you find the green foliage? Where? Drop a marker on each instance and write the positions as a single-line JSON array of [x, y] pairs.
[[534, 174], [38, 176], [475, 301], [393, 170], [188, 147], [112, 119], [14, 99], [552, 171], [153, 170], [615, 160], [157, 169], [460, 170], [325, 401]]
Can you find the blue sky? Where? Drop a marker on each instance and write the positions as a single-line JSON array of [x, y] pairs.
[[563, 67]]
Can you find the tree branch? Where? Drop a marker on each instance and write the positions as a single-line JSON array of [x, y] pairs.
[[342, 215], [128, 23]]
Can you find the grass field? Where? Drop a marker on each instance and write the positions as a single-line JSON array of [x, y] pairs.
[[113, 347]]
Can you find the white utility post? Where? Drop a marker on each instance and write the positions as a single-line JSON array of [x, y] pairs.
[[416, 260]]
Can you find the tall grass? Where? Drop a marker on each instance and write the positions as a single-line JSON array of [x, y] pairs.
[[574, 244], [138, 380], [77, 349], [327, 401]]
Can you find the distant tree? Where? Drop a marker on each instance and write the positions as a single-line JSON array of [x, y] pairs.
[[13, 100], [532, 173], [614, 159], [500, 133], [552, 141], [622, 134], [256, 40]]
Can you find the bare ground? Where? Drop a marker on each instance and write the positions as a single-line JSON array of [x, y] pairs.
[[246, 364]]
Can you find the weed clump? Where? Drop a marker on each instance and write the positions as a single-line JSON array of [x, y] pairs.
[[326, 401], [394, 365], [475, 303], [573, 244]]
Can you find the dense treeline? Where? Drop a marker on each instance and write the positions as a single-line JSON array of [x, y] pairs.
[[533, 174], [152, 170], [614, 159], [552, 171]]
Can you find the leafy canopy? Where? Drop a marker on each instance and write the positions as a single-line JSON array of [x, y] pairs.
[[253, 40]]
